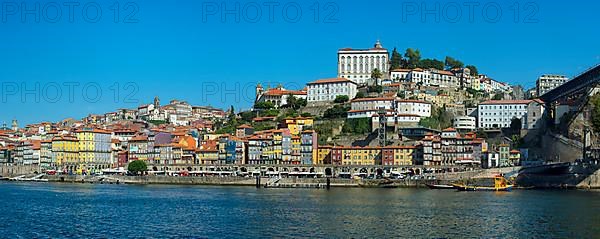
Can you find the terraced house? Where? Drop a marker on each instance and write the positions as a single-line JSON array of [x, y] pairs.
[[359, 155], [65, 152], [399, 155], [94, 148]]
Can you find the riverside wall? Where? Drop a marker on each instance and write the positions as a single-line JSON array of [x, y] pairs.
[[274, 182], [591, 182], [16, 170]]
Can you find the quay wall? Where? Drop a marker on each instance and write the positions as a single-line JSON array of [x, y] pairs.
[[16, 170], [591, 182], [269, 182]]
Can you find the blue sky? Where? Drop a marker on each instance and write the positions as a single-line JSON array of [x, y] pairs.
[[184, 49]]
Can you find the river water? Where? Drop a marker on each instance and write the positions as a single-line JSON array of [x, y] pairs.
[[41, 210]]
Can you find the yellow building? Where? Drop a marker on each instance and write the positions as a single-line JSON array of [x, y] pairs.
[[86, 146], [65, 152], [361, 155], [296, 150], [324, 154], [208, 156], [475, 83], [94, 149], [398, 155], [296, 125]]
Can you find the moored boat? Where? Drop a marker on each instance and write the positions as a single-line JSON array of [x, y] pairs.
[[500, 184], [439, 186]]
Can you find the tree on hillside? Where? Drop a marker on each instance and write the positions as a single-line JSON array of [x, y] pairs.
[[473, 69], [341, 99], [232, 117], [515, 125], [452, 63], [359, 95], [412, 57], [376, 74], [377, 89], [137, 166], [264, 105], [431, 63], [337, 111], [401, 94], [498, 96], [247, 116], [295, 102], [396, 60], [481, 133]]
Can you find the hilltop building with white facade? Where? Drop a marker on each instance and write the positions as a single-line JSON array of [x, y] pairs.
[[548, 82], [325, 90], [357, 64], [497, 114]]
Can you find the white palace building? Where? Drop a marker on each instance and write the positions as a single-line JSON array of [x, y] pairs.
[[357, 64]]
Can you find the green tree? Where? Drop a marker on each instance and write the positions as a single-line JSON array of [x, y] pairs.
[[413, 57], [359, 95], [498, 96], [473, 70], [376, 88], [431, 63], [357, 126], [264, 105], [401, 94], [440, 119], [481, 133], [306, 114], [515, 125], [429, 122], [452, 63], [396, 60], [341, 99], [295, 102], [232, 118], [292, 102], [270, 112], [376, 74], [247, 116], [137, 166], [337, 111], [302, 102]]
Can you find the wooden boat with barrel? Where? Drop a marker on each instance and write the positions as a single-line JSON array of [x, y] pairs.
[[499, 184]]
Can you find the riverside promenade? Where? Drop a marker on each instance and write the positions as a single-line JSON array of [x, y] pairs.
[[279, 182]]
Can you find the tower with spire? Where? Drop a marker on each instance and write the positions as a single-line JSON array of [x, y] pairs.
[[156, 102], [259, 91], [378, 45], [15, 125]]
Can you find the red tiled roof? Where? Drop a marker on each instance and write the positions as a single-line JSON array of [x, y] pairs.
[[449, 130], [374, 99], [505, 102], [401, 70], [278, 92], [330, 80], [415, 101]]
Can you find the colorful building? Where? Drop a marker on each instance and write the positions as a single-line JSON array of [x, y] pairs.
[[399, 155], [298, 124], [308, 147], [65, 152], [324, 154], [94, 149]]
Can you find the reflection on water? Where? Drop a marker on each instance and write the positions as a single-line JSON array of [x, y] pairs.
[[86, 210]]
